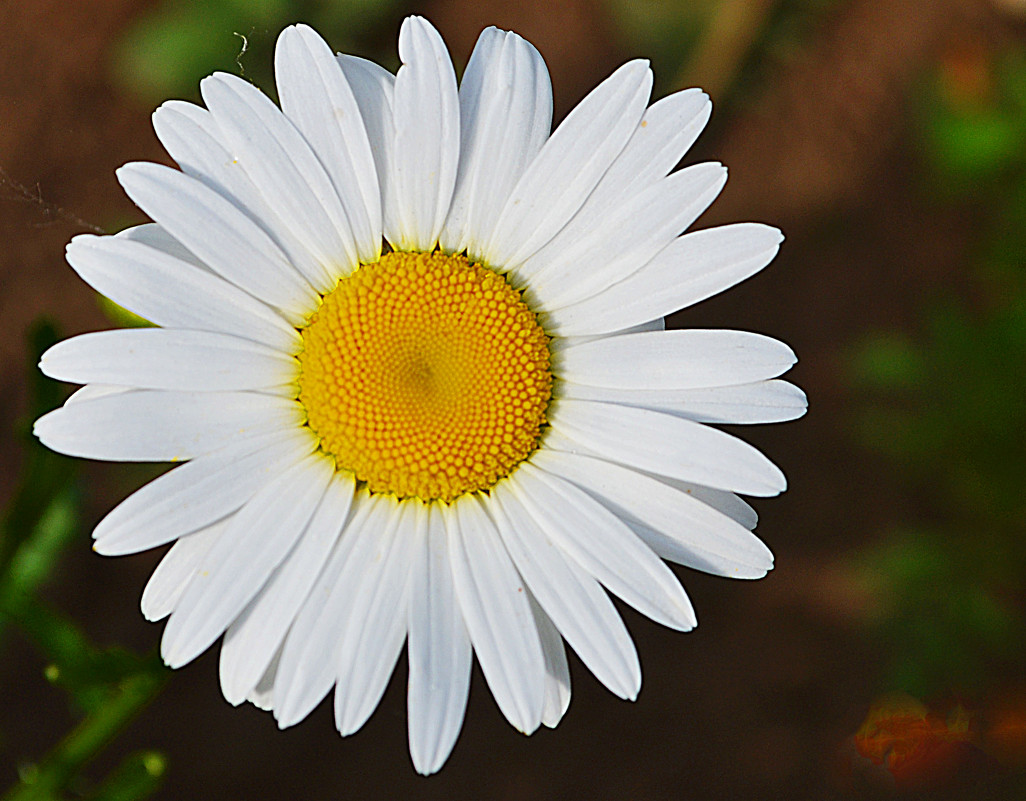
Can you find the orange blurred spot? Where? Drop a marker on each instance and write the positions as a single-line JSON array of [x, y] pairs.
[[919, 748], [967, 74]]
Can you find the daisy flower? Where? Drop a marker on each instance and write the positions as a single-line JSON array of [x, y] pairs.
[[409, 345]]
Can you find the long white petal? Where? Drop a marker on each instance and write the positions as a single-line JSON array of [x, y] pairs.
[[307, 669], [427, 135], [93, 391], [373, 87], [498, 617], [667, 445], [220, 234], [174, 293], [192, 138], [505, 118], [252, 641], [557, 671], [570, 164], [574, 601], [772, 401], [722, 501], [669, 127], [377, 588], [604, 546], [679, 359], [632, 204], [159, 426], [262, 695], [173, 359], [763, 402], [153, 236], [738, 510], [574, 266], [692, 268], [709, 540], [256, 541], [673, 550], [316, 97], [281, 163], [439, 651], [176, 569], [557, 344], [198, 492]]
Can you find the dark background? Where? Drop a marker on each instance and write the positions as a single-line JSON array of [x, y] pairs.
[[820, 118]]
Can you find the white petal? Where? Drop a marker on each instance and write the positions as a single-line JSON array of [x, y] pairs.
[[569, 165], [557, 672], [721, 500], [439, 652], [608, 248], [668, 445], [159, 426], [666, 131], [93, 391], [690, 269], [199, 492], [262, 696], [427, 136], [762, 402], [256, 541], [159, 358], [316, 97], [373, 87], [284, 167], [726, 503], [170, 292], [707, 539], [192, 138], [574, 601], [773, 401], [604, 546], [495, 608], [176, 569], [220, 234], [558, 344], [505, 118], [679, 359], [673, 550], [377, 588], [253, 640], [308, 663], [153, 236]]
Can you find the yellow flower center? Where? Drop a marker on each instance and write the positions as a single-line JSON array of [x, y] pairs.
[[425, 375]]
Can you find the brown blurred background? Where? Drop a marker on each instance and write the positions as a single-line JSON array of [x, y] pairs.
[[820, 117]]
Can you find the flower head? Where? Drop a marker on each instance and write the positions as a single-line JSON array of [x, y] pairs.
[[460, 441]]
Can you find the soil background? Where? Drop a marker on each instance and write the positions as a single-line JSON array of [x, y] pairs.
[[761, 701]]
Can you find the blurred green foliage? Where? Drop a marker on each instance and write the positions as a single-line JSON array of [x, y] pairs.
[[722, 45], [168, 50], [973, 122], [109, 686], [949, 405]]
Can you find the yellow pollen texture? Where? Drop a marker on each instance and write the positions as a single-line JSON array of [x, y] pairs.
[[425, 375]]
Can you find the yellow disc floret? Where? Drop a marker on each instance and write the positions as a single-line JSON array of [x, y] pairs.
[[425, 375]]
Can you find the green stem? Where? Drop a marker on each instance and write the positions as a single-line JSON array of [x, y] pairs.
[[137, 777], [732, 32], [90, 737]]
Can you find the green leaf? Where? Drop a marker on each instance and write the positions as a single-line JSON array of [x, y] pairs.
[[46, 478]]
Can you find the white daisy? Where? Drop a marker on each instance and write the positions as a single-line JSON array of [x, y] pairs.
[[461, 443]]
